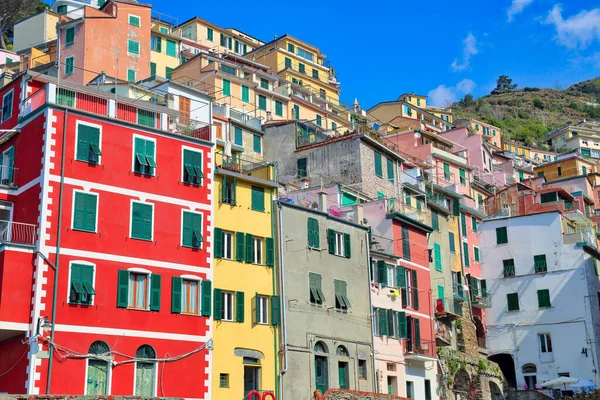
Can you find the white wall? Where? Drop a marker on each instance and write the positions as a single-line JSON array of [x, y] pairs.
[[571, 308]]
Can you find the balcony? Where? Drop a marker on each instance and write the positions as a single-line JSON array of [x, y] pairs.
[[443, 335], [148, 114], [447, 308], [481, 300], [419, 351], [17, 233], [243, 117], [460, 292], [245, 165]]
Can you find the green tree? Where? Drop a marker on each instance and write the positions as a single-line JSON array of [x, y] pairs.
[[467, 100], [504, 85], [12, 11]]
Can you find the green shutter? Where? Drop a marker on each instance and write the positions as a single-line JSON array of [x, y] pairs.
[[501, 235], [383, 324], [176, 287], [84, 211], [257, 145], [446, 168], [218, 305], [245, 94], [452, 242], [158, 44], [155, 284], [70, 36], [262, 102], [239, 307], [249, 248], [513, 301], [123, 288], [415, 290], [476, 254], [141, 221], [192, 230], [378, 165], [331, 240], [400, 272], [239, 246], [171, 48], [463, 224], [543, 298], [69, 69], [270, 252], [390, 170], [463, 178], [437, 256], [130, 75], [226, 87], [466, 253], [313, 233], [152, 69], [83, 143], [405, 244], [402, 328], [218, 243], [258, 198], [168, 73], [206, 297], [509, 267], [539, 263], [417, 324], [133, 46], [390, 320], [278, 108], [381, 272], [275, 311], [347, 246], [435, 220], [474, 224]]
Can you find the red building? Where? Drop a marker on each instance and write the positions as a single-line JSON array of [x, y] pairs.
[[115, 196]]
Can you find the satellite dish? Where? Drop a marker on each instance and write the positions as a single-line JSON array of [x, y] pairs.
[[417, 135]]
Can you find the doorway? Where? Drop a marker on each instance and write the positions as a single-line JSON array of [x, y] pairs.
[[251, 379], [321, 379], [343, 374], [392, 385]]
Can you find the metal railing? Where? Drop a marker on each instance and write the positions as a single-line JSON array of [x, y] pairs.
[[459, 291], [8, 176], [480, 300], [423, 347], [457, 307], [17, 232], [33, 102], [246, 165]]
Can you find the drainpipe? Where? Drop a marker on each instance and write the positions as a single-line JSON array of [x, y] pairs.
[[275, 352], [368, 247], [56, 268], [283, 300]]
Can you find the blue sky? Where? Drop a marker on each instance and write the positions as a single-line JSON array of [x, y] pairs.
[[381, 49]]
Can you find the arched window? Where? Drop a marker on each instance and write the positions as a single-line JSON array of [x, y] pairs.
[[145, 371], [529, 369], [342, 351], [97, 369], [530, 376], [321, 347]]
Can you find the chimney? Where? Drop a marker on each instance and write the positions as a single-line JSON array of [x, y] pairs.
[[358, 214], [322, 201]]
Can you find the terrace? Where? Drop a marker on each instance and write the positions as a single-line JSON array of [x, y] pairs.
[[245, 165]]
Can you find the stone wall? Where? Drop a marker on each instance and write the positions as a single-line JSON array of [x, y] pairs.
[[526, 395], [339, 394]]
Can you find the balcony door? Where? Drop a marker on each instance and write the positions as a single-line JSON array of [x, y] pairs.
[[6, 211]]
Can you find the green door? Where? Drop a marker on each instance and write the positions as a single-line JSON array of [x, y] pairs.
[[343, 375], [97, 377], [321, 379], [144, 379]]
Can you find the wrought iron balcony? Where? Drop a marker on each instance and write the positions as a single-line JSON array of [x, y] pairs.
[[419, 350], [17, 233]]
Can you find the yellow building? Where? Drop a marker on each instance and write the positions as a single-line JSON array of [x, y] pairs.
[[517, 148], [420, 101], [247, 310], [301, 64], [565, 166], [165, 50], [562, 137], [404, 113], [218, 39]]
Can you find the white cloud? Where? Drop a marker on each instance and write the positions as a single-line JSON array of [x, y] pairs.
[[443, 96], [577, 31], [469, 49], [517, 7]]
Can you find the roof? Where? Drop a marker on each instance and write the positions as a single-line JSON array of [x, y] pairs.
[[492, 218], [316, 49], [219, 28]]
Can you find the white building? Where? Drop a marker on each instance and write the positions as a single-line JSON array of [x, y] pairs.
[[541, 272]]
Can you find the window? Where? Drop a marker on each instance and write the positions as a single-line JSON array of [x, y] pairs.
[[88, 143], [435, 221], [391, 278], [322, 93], [405, 244], [223, 378], [226, 41], [302, 166], [238, 138], [82, 284], [452, 242], [540, 264], [70, 36], [334, 128], [171, 48], [228, 190], [134, 20], [262, 102], [264, 83], [210, 37], [7, 105], [466, 253], [501, 235], [192, 167], [245, 94], [226, 87], [463, 224], [301, 68], [313, 233], [130, 75], [256, 251], [559, 171], [362, 369], [315, 73], [162, 29], [410, 390], [152, 69], [463, 177], [156, 44], [474, 224], [378, 165], [513, 301], [61, 9], [509, 267], [145, 372], [69, 66], [446, 168], [227, 306], [288, 63], [545, 343], [339, 243], [191, 230], [296, 111], [257, 144], [262, 310], [278, 108], [85, 211], [138, 291], [168, 73], [141, 220], [291, 48], [190, 295], [133, 46], [315, 286], [97, 369], [305, 54], [144, 157], [543, 298], [437, 256], [258, 198], [390, 170], [476, 254]]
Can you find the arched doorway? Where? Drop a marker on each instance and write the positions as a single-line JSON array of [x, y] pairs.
[[507, 366], [98, 367], [530, 375], [462, 385], [321, 367], [495, 392], [145, 371]]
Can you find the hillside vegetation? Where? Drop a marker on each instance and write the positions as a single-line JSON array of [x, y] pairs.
[[526, 115]]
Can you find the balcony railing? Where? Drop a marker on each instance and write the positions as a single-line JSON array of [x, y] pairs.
[[481, 300], [421, 349], [447, 308], [460, 292], [458, 307], [245, 165], [17, 233]]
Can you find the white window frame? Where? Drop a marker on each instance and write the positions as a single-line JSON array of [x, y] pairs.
[[545, 335], [108, 377], [226, 307], [77, 124], [11, 92], [396, 333], [97, 207], [154, 389], [391, 269], [375, 319], [188, 148], [257, 255], [139, 271], [131, 219], [133, 152], [81, 262], [129, 21], [183, 211], [198, 280], [409, 287], [227, 245], [134, 76], [338, 239], [263, 310], [139, 48]]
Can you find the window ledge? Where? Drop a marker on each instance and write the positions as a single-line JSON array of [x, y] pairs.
[[142, 239], [314, 248], [137, 309], [84, 230]]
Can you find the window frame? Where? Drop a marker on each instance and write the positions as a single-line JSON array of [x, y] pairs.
[[11, 92], [508, 302], [262, 311], [139, 20], [132, 201], [224, 308], [229, 241], [75, 191], [257, 251], [78, 123], [198, 281], [147, 283], [93, 297], [547, 342], [134, 157], [320, 296], [133, 53], [201, 242], [499, 229], [183, 172], [338, 243]]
